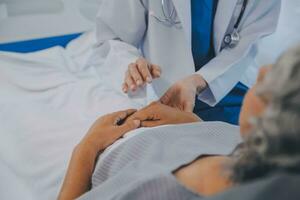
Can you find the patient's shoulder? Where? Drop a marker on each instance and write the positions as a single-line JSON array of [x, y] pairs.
[[206, 176]]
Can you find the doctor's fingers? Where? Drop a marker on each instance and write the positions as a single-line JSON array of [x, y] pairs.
[[152, 123], [117, 117], [135, 74], [188, 106], [166, 99], [144, 69], [125, 87], [129, 82], [155, 71], [120, 116], [145, 114], [128, 126]]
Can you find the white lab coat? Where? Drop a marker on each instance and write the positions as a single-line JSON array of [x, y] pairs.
[[126, 31]]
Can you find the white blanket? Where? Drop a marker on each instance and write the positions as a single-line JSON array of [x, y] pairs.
[[48, 101]]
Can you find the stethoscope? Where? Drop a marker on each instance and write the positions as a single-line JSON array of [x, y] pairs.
[[232, 39], [169, 19]]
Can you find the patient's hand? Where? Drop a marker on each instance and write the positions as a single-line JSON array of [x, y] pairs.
[[109, 128], [105, 131], [157, 114]]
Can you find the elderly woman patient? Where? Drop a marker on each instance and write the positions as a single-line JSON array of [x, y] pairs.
[[173, 165]]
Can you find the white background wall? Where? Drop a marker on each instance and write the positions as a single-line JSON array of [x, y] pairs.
[[287, 35], [29, 19], [78, 15]]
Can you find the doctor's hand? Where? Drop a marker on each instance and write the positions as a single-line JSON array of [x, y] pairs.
[[140, 73], [157, 114], [182, 94]]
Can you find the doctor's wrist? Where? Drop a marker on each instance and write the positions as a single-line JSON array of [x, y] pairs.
[[199, 83]]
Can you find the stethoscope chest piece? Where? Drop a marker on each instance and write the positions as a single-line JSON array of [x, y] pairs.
[[233, 39]]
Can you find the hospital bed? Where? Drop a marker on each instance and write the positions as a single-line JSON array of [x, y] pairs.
[[50, 96], [33, 25], [38, 44]]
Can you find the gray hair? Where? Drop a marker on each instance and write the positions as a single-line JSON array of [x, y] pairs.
[[274, 144]]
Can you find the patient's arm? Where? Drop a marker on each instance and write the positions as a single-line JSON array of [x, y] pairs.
[[206, 176], [103, 133], [157, 114]]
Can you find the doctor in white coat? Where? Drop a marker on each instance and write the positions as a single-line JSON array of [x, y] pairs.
[[184, 49]]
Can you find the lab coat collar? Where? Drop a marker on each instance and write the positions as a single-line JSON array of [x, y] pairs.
[[223, 17]]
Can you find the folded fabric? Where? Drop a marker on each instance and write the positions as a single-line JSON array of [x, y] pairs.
[[48, 102]]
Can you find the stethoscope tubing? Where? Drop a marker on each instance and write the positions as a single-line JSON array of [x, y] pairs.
[[242, 13], [169, 20]]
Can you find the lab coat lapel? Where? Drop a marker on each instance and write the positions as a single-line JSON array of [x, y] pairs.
[[183, 8], [223, 17]]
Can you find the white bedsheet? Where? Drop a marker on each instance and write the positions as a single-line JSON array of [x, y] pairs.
[[48, 101]]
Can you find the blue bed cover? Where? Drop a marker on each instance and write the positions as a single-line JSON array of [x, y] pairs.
[[38, 44]]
